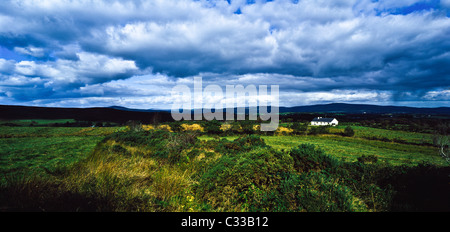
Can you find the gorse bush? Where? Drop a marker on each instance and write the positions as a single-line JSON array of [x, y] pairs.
[[212, 127], [348, 131], [317, 130], [318, 192], [283, 131], [298, 128], [192, 127], [309, 158], [241, 144], [232, 183]]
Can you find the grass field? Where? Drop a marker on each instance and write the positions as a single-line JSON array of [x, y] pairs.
[[31, 148], [350, 149], [120, 169], [28, 150], [37, 122], [367, 132]]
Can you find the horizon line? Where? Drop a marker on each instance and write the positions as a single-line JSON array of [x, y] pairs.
[[161, 109]]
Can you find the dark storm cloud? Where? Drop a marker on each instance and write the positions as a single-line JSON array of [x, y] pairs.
[[80, 48]]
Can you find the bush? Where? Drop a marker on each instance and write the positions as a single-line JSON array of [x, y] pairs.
[[348, 131], [212, 127], [368, 159], [244, 181], [192, 127], [317, 130], [242, 144], [165, 128], [298, 128], [423, 188], [283, 131], [118, 149], [177, 142], [318, 192], [309, 158], [247, 126], [176, 126]]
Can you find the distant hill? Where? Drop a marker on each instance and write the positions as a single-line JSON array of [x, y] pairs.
[[122, 114], [338, 108], [136, 110], [363, 108], [83, 114]]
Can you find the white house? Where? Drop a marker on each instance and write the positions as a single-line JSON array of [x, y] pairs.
[[319, 121]]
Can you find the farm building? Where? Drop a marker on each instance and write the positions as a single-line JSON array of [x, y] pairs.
[[319, 121]]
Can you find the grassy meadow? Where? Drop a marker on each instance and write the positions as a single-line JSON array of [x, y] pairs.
[[218, 167], [37, 150]]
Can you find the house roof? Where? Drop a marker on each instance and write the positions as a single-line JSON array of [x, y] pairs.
[[318, 119]]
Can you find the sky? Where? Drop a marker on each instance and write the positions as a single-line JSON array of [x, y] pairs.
[[131, 53]]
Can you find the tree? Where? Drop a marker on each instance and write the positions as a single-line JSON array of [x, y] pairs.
[[212, 127], [247, 126], [134, 125], [442, 141], [348, 131], [299, 128]]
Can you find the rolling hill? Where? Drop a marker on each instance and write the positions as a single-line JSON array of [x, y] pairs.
[[122, 114]]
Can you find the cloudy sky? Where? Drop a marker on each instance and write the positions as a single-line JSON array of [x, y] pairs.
[[84, 53]]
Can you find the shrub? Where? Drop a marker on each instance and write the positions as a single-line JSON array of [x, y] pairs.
[[309, 158], [212, 127], [368, 159], [192, 127], [318, 192], [177, 142], [236, 128], [165, 128], [118, 149], [348, 131], [422, 188], [247, 126], [298, 128], [240, 181], [225, 127], [365, 180], [147, 127], [242, 144], [283, 131], [134, 126], [316, 130]]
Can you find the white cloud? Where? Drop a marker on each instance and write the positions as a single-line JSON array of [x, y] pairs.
[[102, 48], [6, 66], [440, 95], [30, 50], [87, 69]]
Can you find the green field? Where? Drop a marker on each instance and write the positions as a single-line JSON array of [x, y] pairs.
[[351, 148], [401, 147], [28, 150], [365, 132], [36, 122], [125, 169]]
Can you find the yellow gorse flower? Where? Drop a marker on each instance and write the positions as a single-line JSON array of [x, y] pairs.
[[165, 127], [148, 127], [192, 127], [283, 130]]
